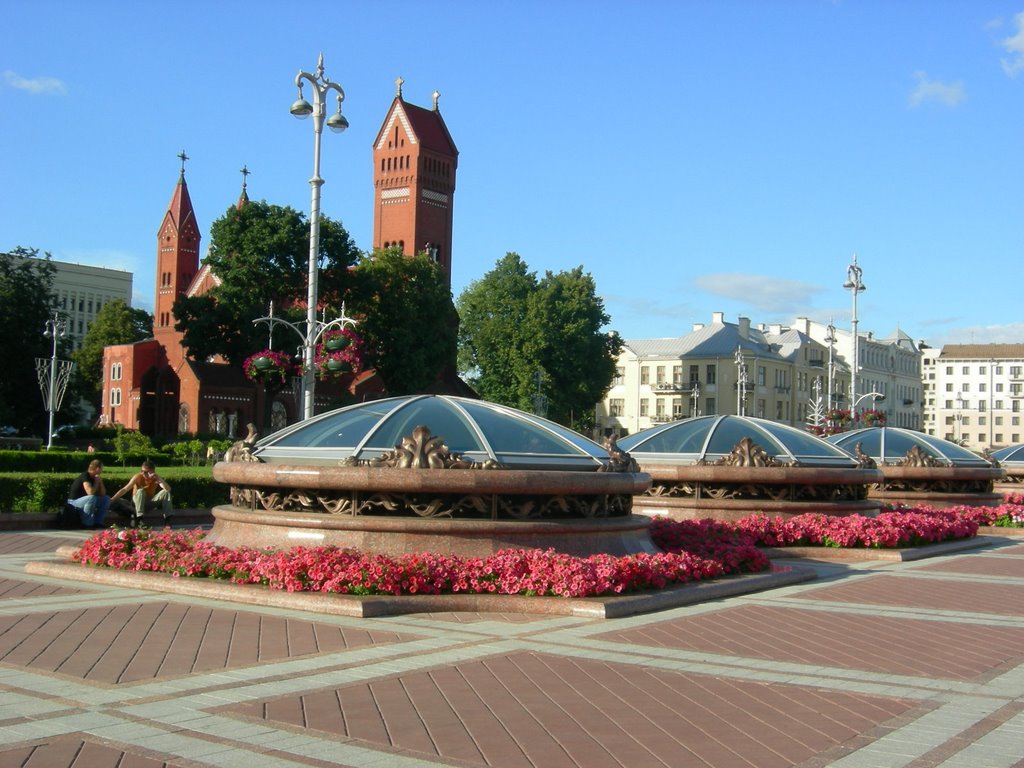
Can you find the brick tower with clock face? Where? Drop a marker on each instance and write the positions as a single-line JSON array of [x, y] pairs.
[[415, 162]]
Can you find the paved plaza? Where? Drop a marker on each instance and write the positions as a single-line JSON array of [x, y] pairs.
[[874, 663]]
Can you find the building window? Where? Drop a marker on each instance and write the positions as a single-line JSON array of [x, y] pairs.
[[677, 375], [762, 375], [949, 386], [645, 374], [999, 437], [694, 374], [966, 387], [659, 375], [982, 387], [710, 402], [982, 405], [620, 375], [659, 408], [616, 406], [677, 408], [644, 407], [115, 396], [967, 370], [710, 372], [949, 370]]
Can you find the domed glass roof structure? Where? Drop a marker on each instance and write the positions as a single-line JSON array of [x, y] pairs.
[[477, 430], [889, 445], [712, 437], [1012, 455]]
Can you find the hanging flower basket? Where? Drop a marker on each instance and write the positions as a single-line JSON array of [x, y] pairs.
[[268, 367], [873, 418], [338, 353], [335, 341]]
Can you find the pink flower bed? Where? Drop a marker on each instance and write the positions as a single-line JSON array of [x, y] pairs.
[[346, 571], [692, 550]]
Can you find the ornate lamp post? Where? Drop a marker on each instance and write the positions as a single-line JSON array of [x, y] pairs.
[[320, 86], [830, 339], [741, 383], [53, 374], [959, 418], [854, 285], [695, 400]]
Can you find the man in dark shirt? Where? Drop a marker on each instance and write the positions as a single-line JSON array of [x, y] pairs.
[[89, 496]]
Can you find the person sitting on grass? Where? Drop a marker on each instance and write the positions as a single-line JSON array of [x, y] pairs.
[[89, 496], [144, 487]]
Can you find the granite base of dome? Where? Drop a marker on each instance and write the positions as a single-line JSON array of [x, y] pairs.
[[683, 508], [937, 499], [237, 527]]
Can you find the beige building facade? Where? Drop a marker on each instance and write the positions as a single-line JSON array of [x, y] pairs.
[[81, 291], [973, 394], [769, 371]]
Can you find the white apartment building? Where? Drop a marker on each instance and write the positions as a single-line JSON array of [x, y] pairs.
[[889, 366], [81, 291], [698, 374], [973, 394]]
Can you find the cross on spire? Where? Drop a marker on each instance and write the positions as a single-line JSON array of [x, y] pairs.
[[399, 82], [245, 173], [183, 157]]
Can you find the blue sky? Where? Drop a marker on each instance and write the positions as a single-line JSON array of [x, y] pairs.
[[693, 156]]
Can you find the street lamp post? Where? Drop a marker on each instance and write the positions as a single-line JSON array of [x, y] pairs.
[[53, 374], [320, 86], [830, 339], [695, 400], [959, 418], [741, 383], [855, 285]]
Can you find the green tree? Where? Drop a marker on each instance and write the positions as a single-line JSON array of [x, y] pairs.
[[260, 253], [492, 333], [26, 303], [564, 324], [408, 320], [514, 327], [116, 323]]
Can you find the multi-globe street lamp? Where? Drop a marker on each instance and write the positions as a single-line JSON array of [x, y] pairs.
[[321, 87], [53, 374], [854, 285]]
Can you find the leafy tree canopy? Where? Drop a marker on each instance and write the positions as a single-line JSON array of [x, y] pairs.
[[521, 336], [260, 253], [116, 323], [26, 303], [407, 320]]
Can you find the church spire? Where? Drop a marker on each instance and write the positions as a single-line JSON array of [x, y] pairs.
[[243, 198]]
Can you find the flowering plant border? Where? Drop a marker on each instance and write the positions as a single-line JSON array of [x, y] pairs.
[[693, 550], [347, 571]]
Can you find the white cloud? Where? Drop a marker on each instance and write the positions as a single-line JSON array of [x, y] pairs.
[[761, 292], [1015, 47], [949, 94], [1009, 333], [35, 84]]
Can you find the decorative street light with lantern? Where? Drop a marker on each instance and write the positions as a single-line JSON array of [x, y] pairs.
[[321, 87], [53, 374], [854, 285], [741, 383]]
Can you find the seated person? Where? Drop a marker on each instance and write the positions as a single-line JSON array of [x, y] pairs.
[[89, 496], [143, 487]]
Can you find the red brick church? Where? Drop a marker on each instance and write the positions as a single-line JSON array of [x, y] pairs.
[[152, 386]]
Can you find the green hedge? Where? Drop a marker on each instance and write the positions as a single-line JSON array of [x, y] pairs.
[[47, 491], [73, 461]]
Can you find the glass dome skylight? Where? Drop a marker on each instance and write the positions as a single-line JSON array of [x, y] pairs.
[[1011, 454], [890, 445], [712, 437], [475, 429]]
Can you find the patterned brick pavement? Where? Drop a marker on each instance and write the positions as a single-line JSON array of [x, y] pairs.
[[877, 663]]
